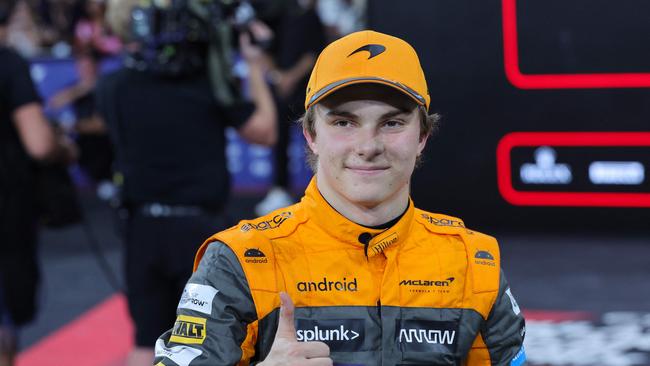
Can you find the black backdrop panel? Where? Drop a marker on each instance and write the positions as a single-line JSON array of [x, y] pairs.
[[461, 46]]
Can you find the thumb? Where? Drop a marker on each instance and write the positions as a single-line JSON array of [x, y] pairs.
[[286, 327]]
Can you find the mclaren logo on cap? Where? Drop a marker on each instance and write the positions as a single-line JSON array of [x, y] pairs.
[[373, 49]]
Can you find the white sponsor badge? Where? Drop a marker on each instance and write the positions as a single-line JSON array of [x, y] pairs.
[[198, 297], [182, 355], [513, 302]]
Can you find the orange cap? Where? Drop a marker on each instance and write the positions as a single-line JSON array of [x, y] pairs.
[[368, 57]]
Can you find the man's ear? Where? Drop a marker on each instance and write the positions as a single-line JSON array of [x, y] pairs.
[[423, 143], [311, 141]]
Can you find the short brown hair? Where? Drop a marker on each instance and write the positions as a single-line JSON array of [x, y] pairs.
[[428, 126]]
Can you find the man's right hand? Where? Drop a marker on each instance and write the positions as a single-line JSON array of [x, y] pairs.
[[286, 350]]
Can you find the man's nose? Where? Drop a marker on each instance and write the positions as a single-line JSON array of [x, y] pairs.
[[369, 145]]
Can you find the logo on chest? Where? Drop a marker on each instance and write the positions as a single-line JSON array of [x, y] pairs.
[[426, 286], [426, 336], [327, 285], [341, 335]]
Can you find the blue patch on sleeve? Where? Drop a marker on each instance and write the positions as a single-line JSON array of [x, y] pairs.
[[519, 358]]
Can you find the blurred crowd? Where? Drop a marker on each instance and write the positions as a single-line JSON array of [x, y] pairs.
[[57, 27], [64, 28], [80, 30]]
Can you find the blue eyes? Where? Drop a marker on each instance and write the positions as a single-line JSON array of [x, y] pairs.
[[390, 123], [394, 123]]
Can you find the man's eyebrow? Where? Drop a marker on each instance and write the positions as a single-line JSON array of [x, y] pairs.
[[345, 114], [396, 112], [390, 114]]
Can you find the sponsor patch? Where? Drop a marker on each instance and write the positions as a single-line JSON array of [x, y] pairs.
[[485, 258], [426, 286], [442, 222], [274, 223], [519, 358], [198, 297], [254, 255], [384, 243], [326, 285], [341, 335], [513, 302], [188, 330], [426, 336], [484, 254], [181, 355]]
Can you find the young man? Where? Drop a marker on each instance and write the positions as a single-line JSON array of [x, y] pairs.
[[374, 280]]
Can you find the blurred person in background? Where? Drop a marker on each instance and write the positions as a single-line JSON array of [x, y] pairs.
[[168, 131], [92, 34], [96, 156], [299, 37], [58, 18], [26, 138], [23, 32]]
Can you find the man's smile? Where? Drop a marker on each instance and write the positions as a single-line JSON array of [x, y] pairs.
[[367, 169]]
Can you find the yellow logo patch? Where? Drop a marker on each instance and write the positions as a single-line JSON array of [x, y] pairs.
[[384, 243], [188, 330]]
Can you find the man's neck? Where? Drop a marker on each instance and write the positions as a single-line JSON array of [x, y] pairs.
[[367, 214]]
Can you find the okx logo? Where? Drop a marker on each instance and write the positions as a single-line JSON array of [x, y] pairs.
[[341, 335], [426, 336]]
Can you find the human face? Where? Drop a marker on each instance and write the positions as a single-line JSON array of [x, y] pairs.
[[367, 139]]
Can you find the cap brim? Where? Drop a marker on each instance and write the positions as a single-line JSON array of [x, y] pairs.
[[331, 88]]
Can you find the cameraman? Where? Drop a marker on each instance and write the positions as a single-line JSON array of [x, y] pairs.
[[26, 138], [170, 144]]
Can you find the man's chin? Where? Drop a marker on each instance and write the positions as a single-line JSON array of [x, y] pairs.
[[366, 198]]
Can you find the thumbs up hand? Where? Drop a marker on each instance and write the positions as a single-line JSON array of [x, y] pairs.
[[286, 350]]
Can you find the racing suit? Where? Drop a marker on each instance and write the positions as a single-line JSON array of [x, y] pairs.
[[426, 291]]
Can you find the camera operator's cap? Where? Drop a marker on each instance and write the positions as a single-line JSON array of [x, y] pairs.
[[368, 57]]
